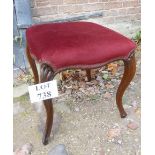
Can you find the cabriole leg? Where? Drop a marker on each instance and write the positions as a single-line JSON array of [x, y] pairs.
[[47, 74], [129, 72]]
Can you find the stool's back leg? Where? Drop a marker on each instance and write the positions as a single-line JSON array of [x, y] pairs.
[[46, 75], [33, 65], [88, 73], [129, 72]]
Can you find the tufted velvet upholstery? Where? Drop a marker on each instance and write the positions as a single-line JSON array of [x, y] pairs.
[[64, 45]]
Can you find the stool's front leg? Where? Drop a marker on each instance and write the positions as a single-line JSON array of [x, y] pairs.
[[47, 74], [129, 72], [33, 65]]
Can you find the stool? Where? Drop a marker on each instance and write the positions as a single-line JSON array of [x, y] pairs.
[[77, 45]]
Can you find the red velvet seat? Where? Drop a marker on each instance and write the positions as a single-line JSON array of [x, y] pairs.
[[72, 44]]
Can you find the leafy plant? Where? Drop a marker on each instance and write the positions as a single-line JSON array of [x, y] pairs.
[[137, 37]]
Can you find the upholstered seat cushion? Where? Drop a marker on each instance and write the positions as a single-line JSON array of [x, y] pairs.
[[76, 44]]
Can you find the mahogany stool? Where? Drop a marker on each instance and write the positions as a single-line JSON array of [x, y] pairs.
[[77, 45]]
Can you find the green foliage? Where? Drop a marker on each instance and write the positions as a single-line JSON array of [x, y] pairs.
[[137, 37]]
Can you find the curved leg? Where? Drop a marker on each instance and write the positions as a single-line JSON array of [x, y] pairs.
[[129, 72], [46, 75], [88, 72], [33, 65]]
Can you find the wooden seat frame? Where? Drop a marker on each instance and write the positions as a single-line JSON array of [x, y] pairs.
[[47, 74]]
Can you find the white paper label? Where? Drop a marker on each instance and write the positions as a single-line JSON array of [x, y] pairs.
[[43, 91]]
